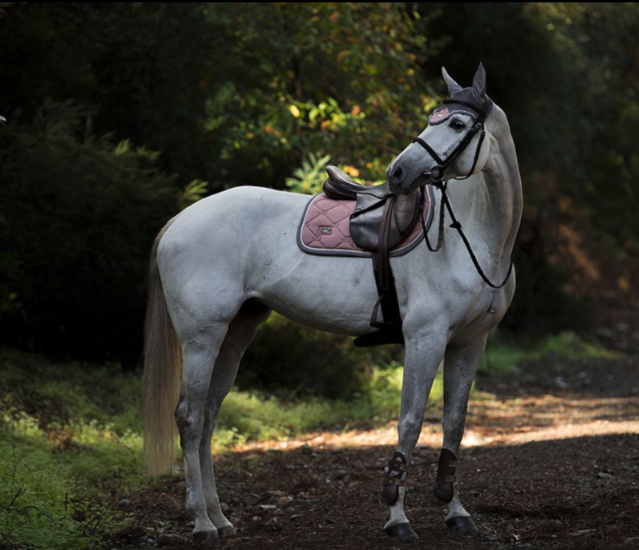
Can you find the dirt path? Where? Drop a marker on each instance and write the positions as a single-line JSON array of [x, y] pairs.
[[550, 462]]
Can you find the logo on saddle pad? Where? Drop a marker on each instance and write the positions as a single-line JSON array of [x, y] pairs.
[[326, 230]]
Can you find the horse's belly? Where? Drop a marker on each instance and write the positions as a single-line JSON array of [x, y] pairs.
[[335, 294], [326, 293]]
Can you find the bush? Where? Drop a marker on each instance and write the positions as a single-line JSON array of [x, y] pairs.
[[289, 358], [69, 446], [77, 219]]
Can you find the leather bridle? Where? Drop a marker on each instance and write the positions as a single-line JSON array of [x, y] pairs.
[[436, 174]]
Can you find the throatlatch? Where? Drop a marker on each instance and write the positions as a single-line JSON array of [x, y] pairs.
[[446, 476], [394, 478]]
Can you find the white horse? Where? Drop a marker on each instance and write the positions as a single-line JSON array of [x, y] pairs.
[[220, 267]]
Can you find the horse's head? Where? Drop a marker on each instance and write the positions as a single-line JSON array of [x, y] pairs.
[[452, 145]]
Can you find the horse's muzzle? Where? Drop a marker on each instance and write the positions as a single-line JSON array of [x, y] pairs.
[[395, 175]]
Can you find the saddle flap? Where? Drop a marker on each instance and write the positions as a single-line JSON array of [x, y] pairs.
[[366, 221], [406, 212]]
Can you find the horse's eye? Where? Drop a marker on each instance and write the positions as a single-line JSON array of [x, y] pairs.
[[457, 125]]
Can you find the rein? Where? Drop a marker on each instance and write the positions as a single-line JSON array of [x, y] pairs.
[[437, 175], [442, 185]]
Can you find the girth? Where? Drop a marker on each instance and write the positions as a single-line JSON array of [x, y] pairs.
[[381, 220]]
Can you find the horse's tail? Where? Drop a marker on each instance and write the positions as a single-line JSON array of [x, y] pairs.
[[162, 374]]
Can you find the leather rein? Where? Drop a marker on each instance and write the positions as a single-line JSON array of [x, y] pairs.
[[436, 174]]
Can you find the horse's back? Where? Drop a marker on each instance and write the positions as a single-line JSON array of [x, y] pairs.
[[213, 249], [232, 222], [236, 209]]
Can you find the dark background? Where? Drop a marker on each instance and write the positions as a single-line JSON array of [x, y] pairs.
[[119, 113]]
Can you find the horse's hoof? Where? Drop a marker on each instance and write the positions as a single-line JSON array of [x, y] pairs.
[[206, 538], [401, 531], [462, 524], [226, 532]]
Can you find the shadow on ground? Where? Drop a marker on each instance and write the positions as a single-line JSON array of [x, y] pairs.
[[574, 493], [549, 467]]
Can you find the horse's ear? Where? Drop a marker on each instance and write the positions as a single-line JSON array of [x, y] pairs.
[[453, 87], [479, 82]]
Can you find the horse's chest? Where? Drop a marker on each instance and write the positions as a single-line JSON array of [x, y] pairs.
[[483, 314]]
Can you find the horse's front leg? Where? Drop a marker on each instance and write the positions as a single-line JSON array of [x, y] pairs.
[[423, 355], [460, 365]]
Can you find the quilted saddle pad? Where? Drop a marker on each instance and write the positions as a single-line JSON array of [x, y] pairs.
[[324, 228]]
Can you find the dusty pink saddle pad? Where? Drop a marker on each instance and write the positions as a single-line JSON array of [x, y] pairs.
[[324, 228]]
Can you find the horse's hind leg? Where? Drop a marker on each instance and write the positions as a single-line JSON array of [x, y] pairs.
[[199, 354], [240, 334], [460, 365]]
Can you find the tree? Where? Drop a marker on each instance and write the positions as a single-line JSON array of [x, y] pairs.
[[322, 78]]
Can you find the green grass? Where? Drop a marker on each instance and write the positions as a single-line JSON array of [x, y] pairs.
[[503, 355], [246, 416], [48, 497], [69, 443]]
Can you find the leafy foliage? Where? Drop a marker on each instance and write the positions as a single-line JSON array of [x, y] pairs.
[[193, 192], [240, 93], [315, 362], [504, 354], [77, 217], [309, 177], [324, 78], [68, 434], [142, 71]]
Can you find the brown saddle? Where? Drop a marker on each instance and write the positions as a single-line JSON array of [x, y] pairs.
[[373, 202], [381, 221]]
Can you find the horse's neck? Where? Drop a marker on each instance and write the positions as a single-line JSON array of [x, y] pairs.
[[489, 205]]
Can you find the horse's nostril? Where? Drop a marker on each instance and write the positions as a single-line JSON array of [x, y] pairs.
[[398, 173]]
